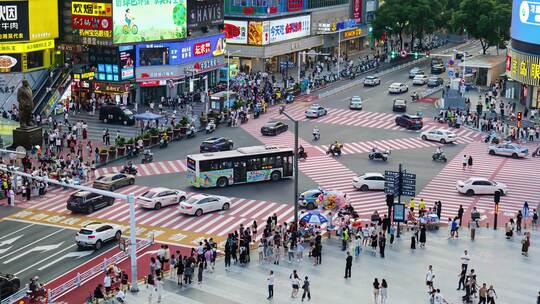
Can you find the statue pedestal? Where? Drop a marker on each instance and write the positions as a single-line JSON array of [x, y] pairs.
[[27, 137]]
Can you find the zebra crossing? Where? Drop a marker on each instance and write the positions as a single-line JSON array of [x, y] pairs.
[[335, 176], [243, 211], [514, 172], [153, 168]]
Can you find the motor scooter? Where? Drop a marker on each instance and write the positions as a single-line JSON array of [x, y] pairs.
[[439, 157], [210, 127], [316, 135], [379, 155]]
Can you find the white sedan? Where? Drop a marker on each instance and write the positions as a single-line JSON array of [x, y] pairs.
[[95, 234], [160, 197], [440, 135], [480, 185], [315, 111], [369, 181], [372, 81], [397, 88], [420, 79], [202, 203]]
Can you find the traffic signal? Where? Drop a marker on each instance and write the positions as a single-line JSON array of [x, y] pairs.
[[415, 55], [427, 54], [519, 116], [393, 54], [497, 197], [389, 200]]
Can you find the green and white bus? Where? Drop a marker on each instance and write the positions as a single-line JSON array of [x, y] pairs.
[[243, 165]]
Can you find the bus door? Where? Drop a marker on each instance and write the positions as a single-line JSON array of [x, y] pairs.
[[288, 165], [240, 171]]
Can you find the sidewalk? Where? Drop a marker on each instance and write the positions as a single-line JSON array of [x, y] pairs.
[[403, 268]]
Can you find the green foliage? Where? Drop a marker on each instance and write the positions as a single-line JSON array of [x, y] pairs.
[[183, 122], [131, 141], [154, 132], [485, 20], [120, 142]]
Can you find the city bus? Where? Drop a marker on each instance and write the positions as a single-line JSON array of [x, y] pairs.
[[243, 165]]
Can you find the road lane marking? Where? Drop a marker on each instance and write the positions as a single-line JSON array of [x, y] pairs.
[[12, 233]]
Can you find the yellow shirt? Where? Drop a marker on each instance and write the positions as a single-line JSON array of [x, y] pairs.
[[411, 204], [422, 205]]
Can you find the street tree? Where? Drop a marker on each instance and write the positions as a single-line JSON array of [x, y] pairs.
[[486, 20]]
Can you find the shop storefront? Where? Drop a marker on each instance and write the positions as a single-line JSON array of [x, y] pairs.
[[268, 45], [168, 69], [351, 36], [523, 71], [523, 57], [26, 43]]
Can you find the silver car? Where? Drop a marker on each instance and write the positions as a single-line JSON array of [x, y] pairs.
[[508, 149]]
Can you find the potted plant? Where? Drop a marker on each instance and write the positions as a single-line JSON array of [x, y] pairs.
[[112, 152], [146, 139], [103, 154], [170, 133], [121, 146], [154, 136], [131, 142]]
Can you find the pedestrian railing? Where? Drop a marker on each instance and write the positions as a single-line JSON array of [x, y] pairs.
[[81, 278]]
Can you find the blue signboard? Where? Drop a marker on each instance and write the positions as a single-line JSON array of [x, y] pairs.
[[187, 51], [526, 21]]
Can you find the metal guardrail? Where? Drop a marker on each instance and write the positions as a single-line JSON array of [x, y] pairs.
[[80, 278]]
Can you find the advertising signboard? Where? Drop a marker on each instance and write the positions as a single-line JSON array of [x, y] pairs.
[[127, 62], [259, 32], [523, 67], [140, 21], [236, 31], [399, 213], [526, 21], [204, 13], [356, 9], [91, 23], [186, 51], [14, 21], [43, 19], [290, 28]]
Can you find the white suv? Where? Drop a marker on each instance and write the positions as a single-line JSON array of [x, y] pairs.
[[95, 234]]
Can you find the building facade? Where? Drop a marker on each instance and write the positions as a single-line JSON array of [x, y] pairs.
[[270, 35], [141, 51], [523, 58], [27, 45]]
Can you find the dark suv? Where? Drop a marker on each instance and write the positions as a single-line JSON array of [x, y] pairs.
[[408, 121], [9, 284], [85, 201], [111, 113], [216, 144]]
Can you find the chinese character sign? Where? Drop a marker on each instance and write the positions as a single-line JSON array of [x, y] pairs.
[[149, 20], [14, 21], [187, 51], [290, 28], [524, 68]]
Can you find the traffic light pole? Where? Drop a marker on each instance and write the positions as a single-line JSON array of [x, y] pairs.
[[399, 195]]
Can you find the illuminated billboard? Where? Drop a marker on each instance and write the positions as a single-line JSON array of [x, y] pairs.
[[142, 21]]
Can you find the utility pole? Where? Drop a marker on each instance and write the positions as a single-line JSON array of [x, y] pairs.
[[296, 177]]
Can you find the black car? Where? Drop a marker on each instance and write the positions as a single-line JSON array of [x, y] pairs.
[[116, 114], [273, 128], [400, 105], [9, 284], [412, 122], [216, 144], [438, 69], [85, 201], [434, 81]]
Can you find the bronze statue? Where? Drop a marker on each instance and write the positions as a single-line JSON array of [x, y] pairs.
[[26, 104]]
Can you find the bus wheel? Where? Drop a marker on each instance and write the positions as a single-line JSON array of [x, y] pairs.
[[275, 176], [222, 182]]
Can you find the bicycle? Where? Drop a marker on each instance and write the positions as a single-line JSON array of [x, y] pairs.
[[133, 28]]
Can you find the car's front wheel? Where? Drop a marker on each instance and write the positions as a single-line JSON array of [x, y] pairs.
[[514, 156], [117, 235], [364, 188], [424, 137], [470, 192], [443, 141], [225, 206]]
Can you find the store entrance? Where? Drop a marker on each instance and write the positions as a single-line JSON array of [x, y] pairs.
[[149, 94]]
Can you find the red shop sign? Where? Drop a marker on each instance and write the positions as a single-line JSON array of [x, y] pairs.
[[248, 10], [91, 22], [295, 5]]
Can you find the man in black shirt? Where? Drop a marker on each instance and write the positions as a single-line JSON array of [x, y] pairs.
[[348, 265]]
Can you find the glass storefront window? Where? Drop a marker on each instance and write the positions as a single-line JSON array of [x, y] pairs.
[[34, 60], [325, 3], [154, 56]]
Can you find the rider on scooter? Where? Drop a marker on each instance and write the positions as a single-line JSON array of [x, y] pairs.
[[302, 153], [316, 133]]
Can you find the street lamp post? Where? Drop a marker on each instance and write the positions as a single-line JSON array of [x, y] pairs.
[[229, 71], [295, 167]]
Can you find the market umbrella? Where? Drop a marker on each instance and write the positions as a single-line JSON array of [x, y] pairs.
[[314, 217], [147, 116]]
